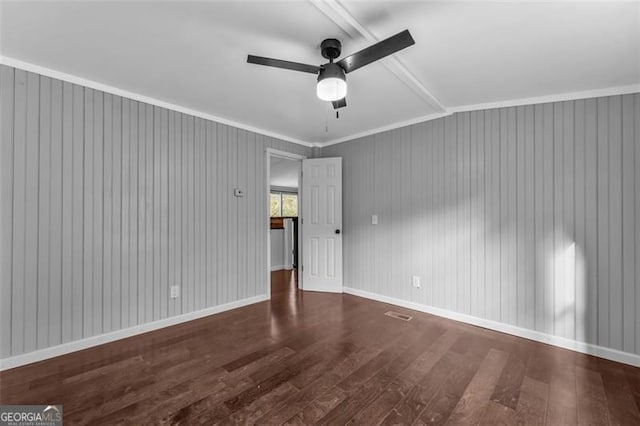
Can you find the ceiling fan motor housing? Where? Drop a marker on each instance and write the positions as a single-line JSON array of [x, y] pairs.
[[331, 48], [331, 71]]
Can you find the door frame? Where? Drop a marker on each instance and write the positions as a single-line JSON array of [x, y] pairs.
[[271, 152]]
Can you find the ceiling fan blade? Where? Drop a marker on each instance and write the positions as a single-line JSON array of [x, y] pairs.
[[278, 63], [377, 51], [340, 103]]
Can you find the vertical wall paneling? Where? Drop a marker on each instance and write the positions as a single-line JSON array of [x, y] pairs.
[[107, 202], [417, 168], [163, 300], [55, 220], [262, 212], [87, 210], [590, 251], [55, 241], [483, 151], [525, 215], [253, 220], [529, 218], [627, 225], [172, 246], [212, 185], [616, 305], [503, 150], [464, 213], [7, 111], [19, 191], [580, 171], [155, 203], [558, 269], [179, 212], [44, 208], [31, 172], [405, 203], [107, 205], [197, 183], [184, 213], [97, 217], [67, 212], [603, 220], [520, 223], [568, 220], [636, 145], [203, 213], [77, 199], [242, 225], [116, 248], [511, 215], [142, 259], [202, 200], [495, 299], [125, 249], [134, 144], [220, 211], [549, 259], [395, 219], [232, 242], [538, 225]]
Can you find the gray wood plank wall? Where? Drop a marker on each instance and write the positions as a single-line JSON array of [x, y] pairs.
[[527, 215], [105, 202]]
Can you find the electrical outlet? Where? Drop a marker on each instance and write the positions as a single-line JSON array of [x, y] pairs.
[[175, 291], [416, 281]]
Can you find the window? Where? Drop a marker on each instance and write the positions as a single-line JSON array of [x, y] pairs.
[[283, 204], [275, 204], [290, 205]]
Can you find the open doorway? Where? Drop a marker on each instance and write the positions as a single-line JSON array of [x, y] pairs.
[[284, 172]]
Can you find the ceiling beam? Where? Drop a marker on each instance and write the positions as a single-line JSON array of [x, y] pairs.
[[349, 24]]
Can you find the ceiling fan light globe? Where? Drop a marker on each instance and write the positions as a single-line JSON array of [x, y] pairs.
[[331, 89]]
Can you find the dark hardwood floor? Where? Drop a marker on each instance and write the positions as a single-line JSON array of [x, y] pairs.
[[313, 358]]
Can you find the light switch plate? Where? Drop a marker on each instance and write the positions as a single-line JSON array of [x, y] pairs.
[[374, 219], [416, 281]]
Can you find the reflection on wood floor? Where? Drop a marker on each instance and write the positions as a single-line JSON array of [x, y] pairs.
[[306, 358]]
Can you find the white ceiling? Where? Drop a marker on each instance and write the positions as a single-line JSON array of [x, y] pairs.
[[193, 55], [283, 173]]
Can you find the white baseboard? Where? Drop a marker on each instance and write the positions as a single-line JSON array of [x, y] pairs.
[[574, 345], [277, 267], [65, 348]]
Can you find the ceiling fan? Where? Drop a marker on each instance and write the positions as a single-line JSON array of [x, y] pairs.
[[332, 82]]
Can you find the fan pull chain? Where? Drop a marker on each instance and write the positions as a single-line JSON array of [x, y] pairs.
[[326, 121]]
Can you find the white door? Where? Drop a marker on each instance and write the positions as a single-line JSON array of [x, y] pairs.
[[322, 224]]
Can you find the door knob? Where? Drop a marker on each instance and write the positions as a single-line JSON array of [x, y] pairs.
[[337, 231]]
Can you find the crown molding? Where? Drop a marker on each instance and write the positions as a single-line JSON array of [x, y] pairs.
[[562, 97], [388, 127], [586, 94], [337, 13], [70, 78]]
